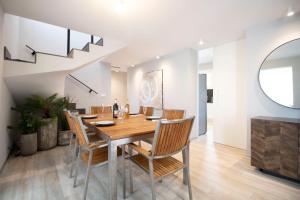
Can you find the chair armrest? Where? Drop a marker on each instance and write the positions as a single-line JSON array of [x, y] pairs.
[[140, 150], [94, 145], [98, 144]]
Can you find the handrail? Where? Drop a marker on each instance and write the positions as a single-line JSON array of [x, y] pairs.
[[90, 89], [33, 51]]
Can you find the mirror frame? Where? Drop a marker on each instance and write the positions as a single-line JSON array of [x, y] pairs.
[[261, 68]]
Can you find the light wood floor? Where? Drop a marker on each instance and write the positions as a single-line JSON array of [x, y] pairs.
[[217, 172]]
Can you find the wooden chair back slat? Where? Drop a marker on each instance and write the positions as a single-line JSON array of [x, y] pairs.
[[69, 120], [80, 131], [149, 110], [172, 136], [171, 114], [101, 110], [141, 111]]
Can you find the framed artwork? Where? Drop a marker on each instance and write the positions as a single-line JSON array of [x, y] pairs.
[[151, 89]]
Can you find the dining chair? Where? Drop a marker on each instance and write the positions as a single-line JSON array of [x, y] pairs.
[[170, 138], [149, 110], [92, 153], [171, 114], [101, 110], [73, 143], [73, 140]]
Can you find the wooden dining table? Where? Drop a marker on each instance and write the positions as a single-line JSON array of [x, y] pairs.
[[123, 132]]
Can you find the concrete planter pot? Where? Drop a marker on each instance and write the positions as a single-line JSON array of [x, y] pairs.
[[47, 135], [28, 144], [64, 137]]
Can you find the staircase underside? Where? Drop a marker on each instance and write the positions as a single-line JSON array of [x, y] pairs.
[[43, 84], [47, 75]]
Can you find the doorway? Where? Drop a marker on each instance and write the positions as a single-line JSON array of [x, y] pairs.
[[205, 93]]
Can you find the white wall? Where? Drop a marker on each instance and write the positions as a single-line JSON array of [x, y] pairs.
[[260, 41], [98, 77], [6, 102], [11, 34], [229, 102], [179, 81], [40, 36], [78, 39], [119, 86]]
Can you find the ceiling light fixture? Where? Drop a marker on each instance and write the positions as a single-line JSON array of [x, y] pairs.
[[290, 12], [201, 42], [157, 57], [132, 65], [120, 7]]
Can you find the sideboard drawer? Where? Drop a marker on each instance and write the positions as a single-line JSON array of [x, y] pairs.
[[289, 149], [275, 145]]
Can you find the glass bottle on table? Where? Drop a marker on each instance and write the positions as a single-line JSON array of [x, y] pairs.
[[115, 109]]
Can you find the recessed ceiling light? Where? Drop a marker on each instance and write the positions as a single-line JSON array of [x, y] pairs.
[[157, 57], [120, 7], [132, 65], [290, 12], [201, 42]]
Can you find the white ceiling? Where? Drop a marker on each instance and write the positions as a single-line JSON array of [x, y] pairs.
[[155, 27]]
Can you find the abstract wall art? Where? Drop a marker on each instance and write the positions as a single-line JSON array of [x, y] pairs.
[[151, 89]]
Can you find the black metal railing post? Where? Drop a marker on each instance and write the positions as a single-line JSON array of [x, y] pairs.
[[92, 39], [68, 41]]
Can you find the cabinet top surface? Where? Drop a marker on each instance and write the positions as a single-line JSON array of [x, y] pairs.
[[279, 119]]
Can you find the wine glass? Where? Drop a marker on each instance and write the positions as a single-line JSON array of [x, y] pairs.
[[102, 110], [121, 114], [102, 106]]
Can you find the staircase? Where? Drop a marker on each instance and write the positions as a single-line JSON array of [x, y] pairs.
[[46, 74]]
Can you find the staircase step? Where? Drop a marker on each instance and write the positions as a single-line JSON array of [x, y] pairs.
[[86, 47]]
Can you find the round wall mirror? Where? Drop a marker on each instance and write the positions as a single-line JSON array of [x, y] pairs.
[[279, 74]]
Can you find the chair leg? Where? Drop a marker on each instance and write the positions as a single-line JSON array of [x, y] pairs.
[[187, 168], [130, 170], [184, 159], [76, 167], [74, 156], [70, 141], [151, 169], [88, 171], [123, 172]]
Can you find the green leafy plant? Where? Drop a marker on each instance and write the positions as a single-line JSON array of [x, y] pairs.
[[50, 107], [46, 107], [62, 104], [37, 108], [27, 122]]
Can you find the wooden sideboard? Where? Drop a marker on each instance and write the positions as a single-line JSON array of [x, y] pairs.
[[275, 145]]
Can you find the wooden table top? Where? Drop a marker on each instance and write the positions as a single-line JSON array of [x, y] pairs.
[[134, 126]]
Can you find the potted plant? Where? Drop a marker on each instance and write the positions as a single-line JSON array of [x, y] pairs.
[[48, 108], [27, 126]]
